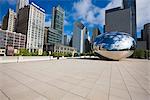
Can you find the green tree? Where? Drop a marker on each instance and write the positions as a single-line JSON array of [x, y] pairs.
[[68, 54], [76, 55], [45, 53], [24, 52], [139, 53]]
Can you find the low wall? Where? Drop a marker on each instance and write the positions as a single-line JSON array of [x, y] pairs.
[[7, 59]]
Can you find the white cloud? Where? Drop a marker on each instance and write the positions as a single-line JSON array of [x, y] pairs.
[[143, 13], [88, 12], [85, 10], [113, 4], [66, 22], [48, 23]]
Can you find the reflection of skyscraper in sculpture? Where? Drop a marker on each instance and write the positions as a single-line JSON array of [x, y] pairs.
[[95, 33], [79, 36], [114, 45], [122, 19], [21, 3]]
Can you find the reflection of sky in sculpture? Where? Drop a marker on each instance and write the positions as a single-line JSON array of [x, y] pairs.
[[115, 41]]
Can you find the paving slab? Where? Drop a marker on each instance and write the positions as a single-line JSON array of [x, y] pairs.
[[76, 79]]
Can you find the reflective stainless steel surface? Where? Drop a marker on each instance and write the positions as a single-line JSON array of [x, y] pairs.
[[114, 45]]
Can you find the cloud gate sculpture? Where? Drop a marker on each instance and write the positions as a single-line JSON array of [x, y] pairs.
[[114, 45]]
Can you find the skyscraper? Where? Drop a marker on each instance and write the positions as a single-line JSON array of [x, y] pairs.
[[58, 21], [46, 32], [146, 34], [79, 37], [95, 33], [21, 3], [9, 21], [132, 5], [129, 4], [66, 41], [122, 19], [30, 21], [53, 36]]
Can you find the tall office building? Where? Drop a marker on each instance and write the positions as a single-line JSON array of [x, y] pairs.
[[146, 35], [58, 21], [70, 42], [129, 4], [132, 5], [142, 34], [79, 37], [66, 40], [122, 19], [30, 21], [46, 32], [21, 4], [9, 21], [95, 33], [53, 36]]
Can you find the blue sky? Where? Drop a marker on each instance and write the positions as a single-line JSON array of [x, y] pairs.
[[90, 12]]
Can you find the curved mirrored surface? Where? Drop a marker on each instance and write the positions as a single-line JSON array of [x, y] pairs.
[[114, 45]]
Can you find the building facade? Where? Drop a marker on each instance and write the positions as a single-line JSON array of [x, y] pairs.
[[52, 36], [118, 21], [12, 39], [30, 21], [46, 31], [59, 48], [79, 37], [21, 4], [95, 33], [122, 19], [142, 36], [132, 5], [9, 21], [146, 34], [141, 45], [66, 40], [57, 23]]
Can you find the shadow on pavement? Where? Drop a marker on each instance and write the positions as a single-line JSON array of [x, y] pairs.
[[96, 58]]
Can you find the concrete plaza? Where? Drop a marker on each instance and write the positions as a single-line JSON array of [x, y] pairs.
[[76, 79]]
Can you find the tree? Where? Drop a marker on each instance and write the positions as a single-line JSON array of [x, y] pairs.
[[45, 53], [24, 52], [76, 55], [68, 54], [139, 53]]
